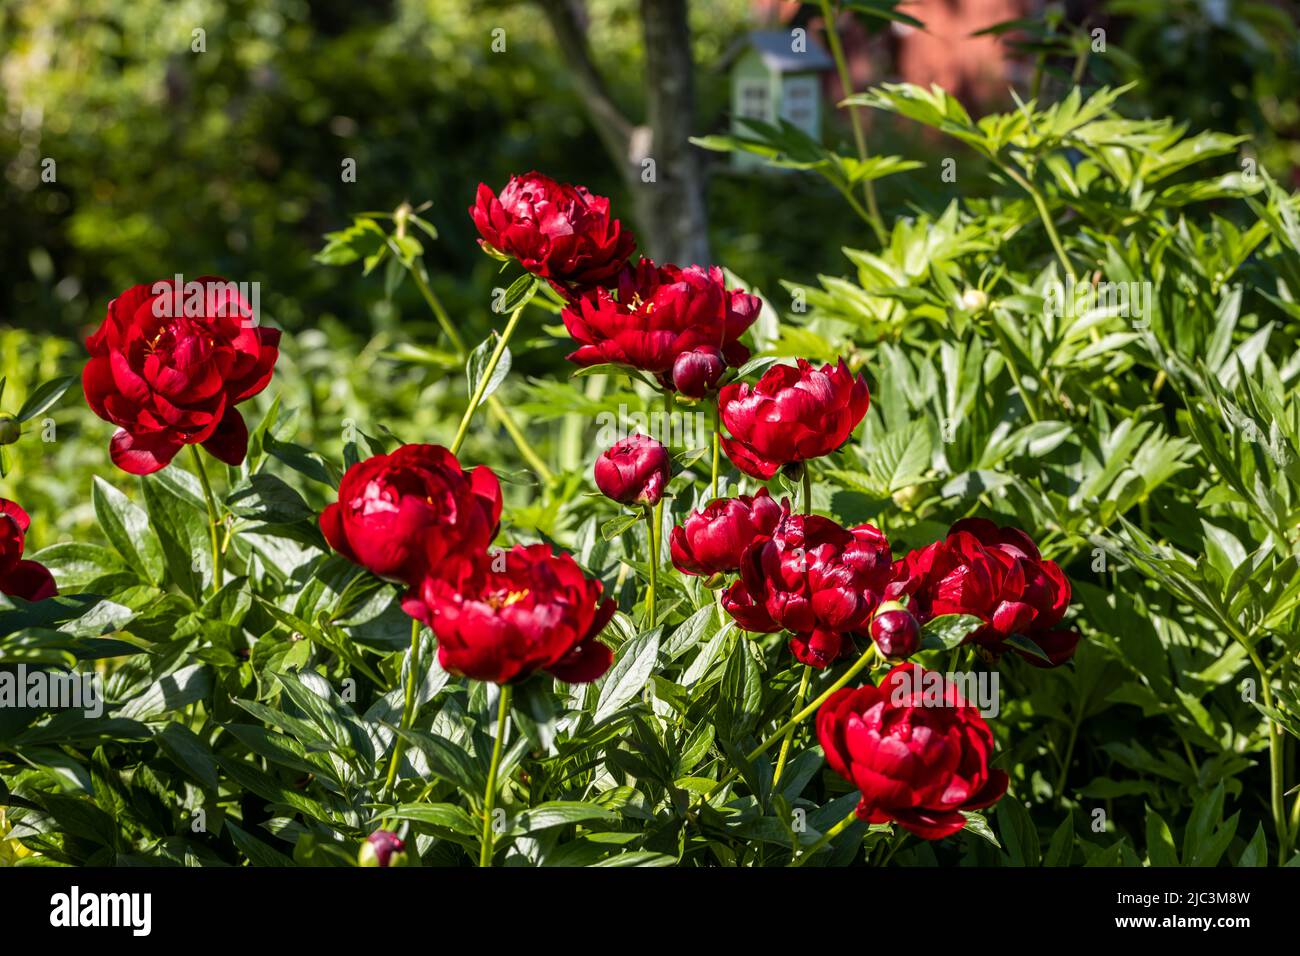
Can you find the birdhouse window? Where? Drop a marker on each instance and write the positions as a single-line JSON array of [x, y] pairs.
[[799, 103], [754, 99]]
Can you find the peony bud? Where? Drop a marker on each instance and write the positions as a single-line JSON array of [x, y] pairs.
[[695, 373], [895, 631], [382, 848], [635, 470], [10, 430], [974, 300]]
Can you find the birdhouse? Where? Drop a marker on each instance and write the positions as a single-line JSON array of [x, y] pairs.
[[776, 75]]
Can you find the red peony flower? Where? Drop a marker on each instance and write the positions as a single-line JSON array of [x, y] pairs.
[[557, 231], [501, 621], [918, 757], [404, 515], [712, 540], [168, 366], [792, 414], [28, 580], [997, 575], [815, 579], [656, 315], [635, 470]]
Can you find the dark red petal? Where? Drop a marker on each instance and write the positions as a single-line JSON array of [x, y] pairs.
[[15, 511], [929, 824], [229, 443], [331, 525], [748, 461], [30, 581], [584, 664], [142, 454]]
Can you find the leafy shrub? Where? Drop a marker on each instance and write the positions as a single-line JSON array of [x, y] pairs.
[[1102, 354]]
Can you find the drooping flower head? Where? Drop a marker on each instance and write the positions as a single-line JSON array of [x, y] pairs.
[[554, 230], [917, 752], [403, 515], [814, 578], [168, 366], [507, 617], [713, 539], [664, 320], [794, 413], [997, 575]]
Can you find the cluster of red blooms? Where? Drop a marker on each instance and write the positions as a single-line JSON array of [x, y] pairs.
[[804, 574], [418, 518]]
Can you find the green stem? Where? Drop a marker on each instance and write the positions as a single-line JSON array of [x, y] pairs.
[[477, 398], [408, 708], [1277, 771], [490, 794], [789, 736], [859, 137], [807, 488], [1043, 213], [717, 436], [521, 442], [214, 520], [440, 313], [1065, 763], [498, 410], [651, 525], [827, 837], [799, 718]]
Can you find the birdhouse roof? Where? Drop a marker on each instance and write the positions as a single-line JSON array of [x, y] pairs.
[[773, 46]]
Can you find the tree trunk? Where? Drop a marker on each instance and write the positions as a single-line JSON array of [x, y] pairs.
[[670, 194], [662, 171]]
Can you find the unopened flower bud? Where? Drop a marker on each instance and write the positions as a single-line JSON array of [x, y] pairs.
[[895, 631], [382, 848], [10, 430]]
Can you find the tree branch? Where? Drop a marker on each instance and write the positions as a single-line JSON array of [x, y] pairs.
[[613, 128]]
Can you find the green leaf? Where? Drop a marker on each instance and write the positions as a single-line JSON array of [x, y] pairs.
[[445, 815], [742, 693], [614, 527], [629, 674], [1022, 643], [1061, 847], [44, 397], [476, 366], [188, 751], [1256, 852], [948, 631], [448, 761], [978, 825], [258, 852], [556, 813], [517, 296], [1019, 835], [182, 530], [127, 528], [169, 693]]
